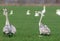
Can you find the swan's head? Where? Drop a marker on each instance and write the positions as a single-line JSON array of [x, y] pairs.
[[5, 12]]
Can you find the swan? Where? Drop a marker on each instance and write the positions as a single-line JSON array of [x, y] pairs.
[[36, 13], [8, 29], [28, 12], [11, 12], [43, 29], [58, 12]]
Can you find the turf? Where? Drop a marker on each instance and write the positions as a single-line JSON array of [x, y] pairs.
[[27, 26]]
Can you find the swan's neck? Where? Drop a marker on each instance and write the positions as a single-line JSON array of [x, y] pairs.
[[44, 7], [41, 16], [40, 20], [7, 20]]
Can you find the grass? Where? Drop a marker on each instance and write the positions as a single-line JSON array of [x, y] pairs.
[[27, 26]]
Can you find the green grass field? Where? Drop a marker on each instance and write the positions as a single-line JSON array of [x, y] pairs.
[[27, 26]]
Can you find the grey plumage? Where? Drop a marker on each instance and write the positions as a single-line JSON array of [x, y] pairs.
[[44, 29]]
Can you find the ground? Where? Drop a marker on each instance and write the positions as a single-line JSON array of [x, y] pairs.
[[27, 26]]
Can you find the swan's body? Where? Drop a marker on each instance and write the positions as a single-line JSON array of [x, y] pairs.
[[28, 12], [11, 12], [58, 12], [8, 28], [36, 13], [44, 29]]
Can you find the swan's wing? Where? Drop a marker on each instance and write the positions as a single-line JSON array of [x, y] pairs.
[[47, 28], [13, 29], [5, 29]]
